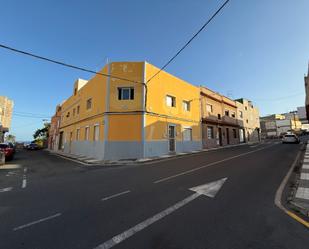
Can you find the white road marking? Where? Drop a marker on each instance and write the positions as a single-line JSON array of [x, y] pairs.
[[253, 146], [115, 195], [37, 221], [209, 189], [24, 182], [5, 189], [208, 165]]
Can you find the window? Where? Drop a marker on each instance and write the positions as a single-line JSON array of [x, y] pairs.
[[210, 132], [246, 108], [186, 105], [240, 114], [234, 133], [77, 110], [170, 101], [89, 104], [233, 114], [247, 121], [187, 134], [77, 134], [68, 114], [219, 116], [125, 93], [74, 112], [87, 133], [96, 133], [209, 108], [75, 91], [227, 113]]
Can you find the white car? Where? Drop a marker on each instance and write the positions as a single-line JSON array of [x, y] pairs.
[[290, 138]]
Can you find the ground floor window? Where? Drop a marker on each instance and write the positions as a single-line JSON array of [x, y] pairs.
[[210, 132], [87, 133], [187, 134], [96, 133]]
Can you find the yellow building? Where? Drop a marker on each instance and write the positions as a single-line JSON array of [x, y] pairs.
[[124, 117], [248, 117], [6, 110]]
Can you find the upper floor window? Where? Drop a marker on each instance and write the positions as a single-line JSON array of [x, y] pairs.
[[68, 114], [125, 93], [209, 108], [240, 114], [227, 113], [233, 115], [74, 112], [89, 104], [75, 91], [77, 110], [170, 101], [246, 108], [186, 105]]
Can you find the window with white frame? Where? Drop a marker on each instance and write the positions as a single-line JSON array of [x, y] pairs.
[[77, 134], [210, 132], [186, 105], [187, 134], [96, 133], [240, 114], [87, 133], [125, 93], [208, 108], [170, 101]]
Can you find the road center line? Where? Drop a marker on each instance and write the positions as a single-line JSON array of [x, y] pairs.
[[210, 164], [115, 195], [37, 221], [5, 189], [24, 182]]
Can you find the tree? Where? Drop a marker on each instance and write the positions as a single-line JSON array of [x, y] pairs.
[[43, 133], [10, 138]]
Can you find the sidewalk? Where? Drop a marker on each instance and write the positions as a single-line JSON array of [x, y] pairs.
[[87, 161], [300, 200]]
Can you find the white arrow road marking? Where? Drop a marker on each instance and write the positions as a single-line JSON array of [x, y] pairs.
[[115, 195], [209, 189], [5, 189], [24, 182], [36, 222]]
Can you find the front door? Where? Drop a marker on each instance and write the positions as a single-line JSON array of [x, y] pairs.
[[220, 136], [171, 138], [227, 136], [60, 140]]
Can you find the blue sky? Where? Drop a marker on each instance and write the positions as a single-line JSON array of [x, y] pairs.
[[253, 49]]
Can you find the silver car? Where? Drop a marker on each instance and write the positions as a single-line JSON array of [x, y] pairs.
[[290, 138]]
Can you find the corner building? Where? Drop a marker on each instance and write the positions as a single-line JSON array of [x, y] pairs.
[[124, 117]]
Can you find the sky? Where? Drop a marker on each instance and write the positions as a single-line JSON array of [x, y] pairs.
[[252, 49]]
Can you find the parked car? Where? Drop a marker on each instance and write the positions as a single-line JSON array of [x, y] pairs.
[[8, 151], [33, 146], [290, 138], [12, 146]]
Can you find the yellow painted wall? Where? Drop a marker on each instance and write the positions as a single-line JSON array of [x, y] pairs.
[[125, 127], [164, 84]]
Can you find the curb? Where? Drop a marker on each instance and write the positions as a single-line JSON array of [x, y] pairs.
[[279, 193]]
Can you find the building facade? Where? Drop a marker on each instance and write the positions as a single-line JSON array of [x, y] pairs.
[[6, 111], [219, 121], [248, 118], [123, 117], [53, 138]]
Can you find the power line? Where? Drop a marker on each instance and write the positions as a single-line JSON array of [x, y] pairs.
[[65, 64], [29, 116], [280, 98], [188, 42]]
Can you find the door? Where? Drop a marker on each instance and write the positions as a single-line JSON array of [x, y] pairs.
[[220, 136], [70, 142], [227, 136], [241, 136], [60, 141], [171, 138]]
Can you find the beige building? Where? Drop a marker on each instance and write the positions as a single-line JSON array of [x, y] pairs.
[[219, 121], [248, 118], [6, 110]]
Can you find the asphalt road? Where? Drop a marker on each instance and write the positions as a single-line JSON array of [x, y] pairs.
[[52, 203]]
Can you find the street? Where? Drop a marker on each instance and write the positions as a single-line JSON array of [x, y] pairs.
[[50, 202]]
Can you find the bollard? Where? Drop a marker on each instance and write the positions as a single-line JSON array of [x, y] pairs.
[[2, 158]]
